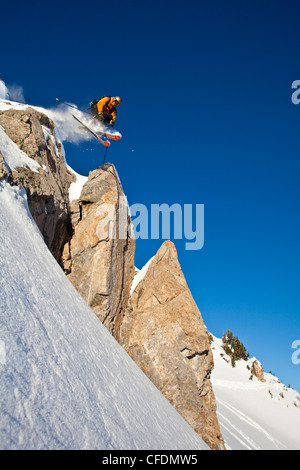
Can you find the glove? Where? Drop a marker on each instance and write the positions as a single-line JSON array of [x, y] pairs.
[[111, 123]]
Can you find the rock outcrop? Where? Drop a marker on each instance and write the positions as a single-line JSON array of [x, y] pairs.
[[164, 333], [257, 370], [47, 188], [99, 259]]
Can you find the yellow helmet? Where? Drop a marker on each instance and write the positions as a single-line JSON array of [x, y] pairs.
[[118, 99]]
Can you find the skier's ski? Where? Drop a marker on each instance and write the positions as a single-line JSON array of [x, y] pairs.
[[106, 133], [109, 136], [104, 142]]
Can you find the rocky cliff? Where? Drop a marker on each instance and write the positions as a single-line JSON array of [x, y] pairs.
[[99, 259], [159, 325], [164, 333], [47, 187]]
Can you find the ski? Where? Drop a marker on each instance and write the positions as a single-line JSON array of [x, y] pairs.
[[104, 142], [109, 136], [106, 133]]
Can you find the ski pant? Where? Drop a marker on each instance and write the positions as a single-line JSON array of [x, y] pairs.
[[105, 117]]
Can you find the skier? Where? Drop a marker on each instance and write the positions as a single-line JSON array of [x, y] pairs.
[[105, 109]]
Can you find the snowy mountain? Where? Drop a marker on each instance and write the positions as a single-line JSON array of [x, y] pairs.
[[101, 268], [65, 382], [253, 415]]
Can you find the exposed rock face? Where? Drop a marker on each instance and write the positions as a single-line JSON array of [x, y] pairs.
[[4, 171], [257, 370], [47, 189], [164, 333], [99, 259]]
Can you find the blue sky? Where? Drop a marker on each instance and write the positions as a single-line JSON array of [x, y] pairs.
[[206, 118]]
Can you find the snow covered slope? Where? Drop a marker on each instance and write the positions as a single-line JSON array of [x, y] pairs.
[[65, 383], [253, 414]]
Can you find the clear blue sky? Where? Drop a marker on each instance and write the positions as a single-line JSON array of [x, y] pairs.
[[207, 118]]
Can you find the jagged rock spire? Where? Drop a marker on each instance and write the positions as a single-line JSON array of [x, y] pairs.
[[163, 331]]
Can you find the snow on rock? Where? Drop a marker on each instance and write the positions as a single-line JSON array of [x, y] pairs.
[[253, 415], [140, 274], [76, 187], [6, 104], [65, 383], [47, 136], [13, 156]]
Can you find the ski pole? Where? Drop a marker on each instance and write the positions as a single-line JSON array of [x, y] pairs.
[[71, 106], [105, 155]]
